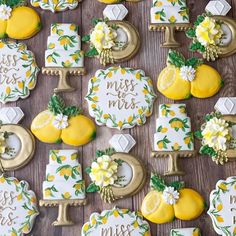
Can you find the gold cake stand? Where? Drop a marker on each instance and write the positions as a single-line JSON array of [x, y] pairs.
[[63, 205], [63, 85], [170, 41], [173, 168]]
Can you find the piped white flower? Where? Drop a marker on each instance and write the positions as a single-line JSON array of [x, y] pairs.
[[187, 73], [5, 12], [170, 195], [60, 121]]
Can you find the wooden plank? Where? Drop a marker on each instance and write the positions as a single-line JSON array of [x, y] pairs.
[[202, 173]]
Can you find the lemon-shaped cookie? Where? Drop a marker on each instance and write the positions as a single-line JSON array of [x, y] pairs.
[[190, 204], [207, 82], [80, 131], [3, 28], [155, 209], [23, 23], [171, 85]]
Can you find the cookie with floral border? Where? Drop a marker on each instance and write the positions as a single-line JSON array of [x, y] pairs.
[[222, 207], [18, 71], [116, 222], [55, 6], [18, 206], [174, 199], [120, 97]]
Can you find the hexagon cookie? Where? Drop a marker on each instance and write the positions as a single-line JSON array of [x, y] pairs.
[[11, 115], [122, 142], [115, 12]]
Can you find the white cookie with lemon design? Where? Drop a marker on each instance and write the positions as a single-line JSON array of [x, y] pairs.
[[185, 232], [63, 176]]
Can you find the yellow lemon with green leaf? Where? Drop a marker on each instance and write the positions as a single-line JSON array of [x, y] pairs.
[[165, 202], [183, 78], [61, 123], [23, 22]]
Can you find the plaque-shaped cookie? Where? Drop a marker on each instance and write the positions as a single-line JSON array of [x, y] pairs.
[[18, 73], [18, 206], [120, 97]]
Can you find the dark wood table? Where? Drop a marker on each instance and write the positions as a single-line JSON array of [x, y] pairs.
[[202, 173]]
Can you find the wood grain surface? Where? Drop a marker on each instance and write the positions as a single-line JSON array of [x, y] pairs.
[[202, 173]]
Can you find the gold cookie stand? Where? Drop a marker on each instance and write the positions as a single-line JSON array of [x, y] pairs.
[[63, 205], [170, 41], [63, 85], [173, 167]]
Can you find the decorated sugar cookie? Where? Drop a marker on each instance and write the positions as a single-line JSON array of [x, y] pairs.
[[64, 185], [115, 175], [116, 222], [185, 77], [61, 123], [222, 207], [18, 21], [120, 97], [165, 202], [56, 6], [185, 232], [171, 16], [18, 206], [117, 1], [218, 133], [18, 71], [213, 36], [112, 40], [64, 56], [173, 138]]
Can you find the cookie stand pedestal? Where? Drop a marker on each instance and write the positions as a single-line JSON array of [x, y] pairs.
[[64, 56], [173, 138]]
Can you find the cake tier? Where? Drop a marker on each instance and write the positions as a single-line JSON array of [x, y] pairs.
[[62, 58], [169, 3], [58, 29], [173, 134], [169, 14], [63, 157], [64, 42], [63, 172], [172, 110], [59, 190]]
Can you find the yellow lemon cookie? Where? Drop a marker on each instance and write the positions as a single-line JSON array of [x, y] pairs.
[[3, 28], [183, 78], [60, 123], [110, 1]]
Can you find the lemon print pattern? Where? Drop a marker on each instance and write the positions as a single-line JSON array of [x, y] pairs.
[[185, 232], [49, 126], [171, 83], [63, 176], [188, 206]]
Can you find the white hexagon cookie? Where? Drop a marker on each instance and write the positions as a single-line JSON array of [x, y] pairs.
[[115, 12], [226, 105], [11, 115], [122, 142]]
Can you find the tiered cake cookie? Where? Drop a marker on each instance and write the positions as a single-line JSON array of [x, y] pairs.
[[169, 11], [64, 176], [64, 47], [173, 129]]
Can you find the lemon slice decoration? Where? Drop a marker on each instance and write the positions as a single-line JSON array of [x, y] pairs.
[[183, 78], [63, 124], [165, 202]]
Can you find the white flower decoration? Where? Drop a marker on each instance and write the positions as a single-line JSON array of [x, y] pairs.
[[103, 36], [5, 12], [104, 171], [216, 133], [60, 121], [170, 195], [187, 73]]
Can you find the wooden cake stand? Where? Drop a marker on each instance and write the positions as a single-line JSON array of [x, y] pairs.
[[173, 168], [170, 41], [62, 73], [63, 218]]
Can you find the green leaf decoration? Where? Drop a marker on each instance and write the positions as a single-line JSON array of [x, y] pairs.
[[108, 152], [194, 62], [199, 20], [88, 170], [196, 46], [177, 185], [198, 134], [86, 38], [206, 150], [95, 21], [176, 58], [92, 188], [72, 111], [13, 3], [191, 33], [92, 52], [119, 162], [56, 105], [157, 183]]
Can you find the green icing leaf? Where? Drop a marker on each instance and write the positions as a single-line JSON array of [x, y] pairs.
[[196, 46], [92, 188], [176, 58], [92, 52], [198, 134], [56, 105], [177, 185], [206, 150], [13, 3], [191, 33], [108, 152], [194, 62], [72, 111], [95, 21], [157, 183], [86, 38], [88, 170]]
